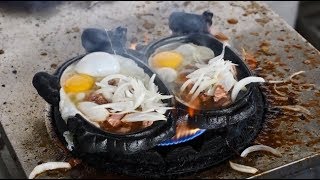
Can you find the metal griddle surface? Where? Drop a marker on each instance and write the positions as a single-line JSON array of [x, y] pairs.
[[41, 41]]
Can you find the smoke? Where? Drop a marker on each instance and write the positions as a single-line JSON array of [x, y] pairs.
[[29, 6]]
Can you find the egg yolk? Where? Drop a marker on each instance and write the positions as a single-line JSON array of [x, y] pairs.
[[78, 83], [167, 59]]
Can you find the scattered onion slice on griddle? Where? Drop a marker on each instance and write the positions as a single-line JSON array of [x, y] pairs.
[[243, 168], [48, 166], [278, 92], [242, 83], [288, 78], [259, 148], [297, 108]]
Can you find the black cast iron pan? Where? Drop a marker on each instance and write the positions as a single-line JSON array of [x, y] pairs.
[[242, 108], [90, 139]]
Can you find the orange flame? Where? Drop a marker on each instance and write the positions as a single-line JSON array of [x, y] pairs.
[[191, 112], [146, 38], [195, 104], [183, 130], [133, 46]]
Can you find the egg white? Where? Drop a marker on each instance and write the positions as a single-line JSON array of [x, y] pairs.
[[98, 64]]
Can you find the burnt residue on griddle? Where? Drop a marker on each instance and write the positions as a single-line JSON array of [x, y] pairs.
[[221, 36], [148, 25], [43, 54], [1, 51], [282, 127], [232, 21], [53, 66]]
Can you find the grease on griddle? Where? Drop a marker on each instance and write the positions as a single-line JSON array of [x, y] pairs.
[[221, 36], [232, 21], [265, 48], [277, 119], [54, 66], [250, 59], [43, 53]]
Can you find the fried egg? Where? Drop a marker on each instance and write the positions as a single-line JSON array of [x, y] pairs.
[[167, 74]]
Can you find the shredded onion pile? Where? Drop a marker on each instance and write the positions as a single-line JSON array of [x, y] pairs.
[[217, 72], [130, 96]]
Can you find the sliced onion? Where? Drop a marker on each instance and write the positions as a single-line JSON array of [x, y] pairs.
[[288, 78], [128, 94], [131, 96], [106, 93], [120, 91], [202, 88], [185, 84], [139, 100], [226, 79], [242, 83], [220, 56], [93, 111], [106, 80], [259, 148], [295, 108], [297, 73], [150, 116], [280, 98], [207, 76], [151, 84], [278, 92], [243, 168], [118, 106], [48, 166], [197, 84]]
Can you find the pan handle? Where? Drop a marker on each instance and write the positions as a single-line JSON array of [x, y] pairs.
[[97, 39], [182, 23], [47, 86]]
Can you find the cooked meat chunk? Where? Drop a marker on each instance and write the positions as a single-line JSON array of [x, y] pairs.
[[97, 98]]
